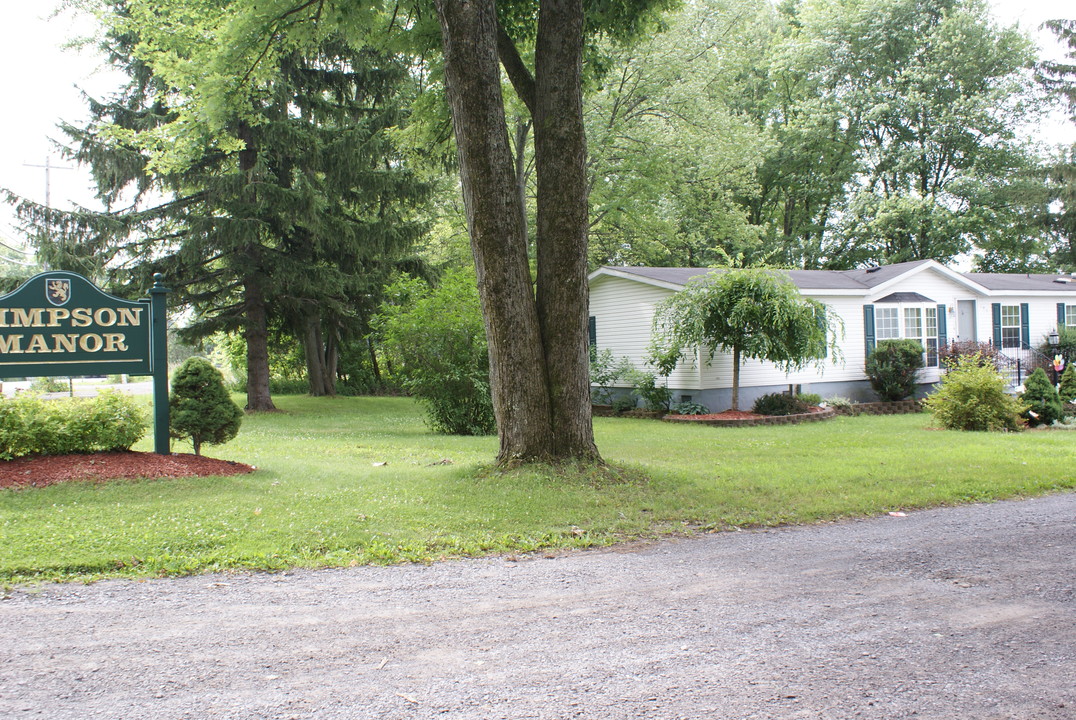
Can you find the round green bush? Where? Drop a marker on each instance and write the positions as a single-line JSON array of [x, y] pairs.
[[200, 408], [893, 367], [780, 404], [972, 396], [436, 340]]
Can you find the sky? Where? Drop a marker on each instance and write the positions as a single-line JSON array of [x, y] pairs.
[[42, 82]]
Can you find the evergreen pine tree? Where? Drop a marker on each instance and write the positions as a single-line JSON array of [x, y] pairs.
[[294, 234], [1040, 396], [200, 408], [1067, 391]]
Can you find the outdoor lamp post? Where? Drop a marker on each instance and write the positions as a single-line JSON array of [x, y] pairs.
[[1054, 340]]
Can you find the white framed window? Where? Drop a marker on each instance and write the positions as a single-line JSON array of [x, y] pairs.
[[887, 323], [1010, 326], [1070, 316], [930, 314], [909, 322]]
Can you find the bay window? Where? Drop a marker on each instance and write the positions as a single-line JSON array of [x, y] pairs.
[[919, 320]]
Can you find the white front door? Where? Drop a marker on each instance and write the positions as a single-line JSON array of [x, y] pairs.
[[965, 320]]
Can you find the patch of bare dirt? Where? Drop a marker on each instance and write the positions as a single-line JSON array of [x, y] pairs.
[[40, 471]]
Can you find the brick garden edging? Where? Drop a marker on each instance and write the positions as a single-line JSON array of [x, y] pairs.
[[899, 407], [826, 414]]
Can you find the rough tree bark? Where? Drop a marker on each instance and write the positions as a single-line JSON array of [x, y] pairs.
[[257, 336], [256, 331], [312, 347], [537, 338], [562, 223]]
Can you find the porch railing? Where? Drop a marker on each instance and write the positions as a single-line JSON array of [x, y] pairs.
[[1017, 363], [1014, 363]]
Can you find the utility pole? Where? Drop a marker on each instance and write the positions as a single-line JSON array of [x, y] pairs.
[[48, 185], [48, 206]]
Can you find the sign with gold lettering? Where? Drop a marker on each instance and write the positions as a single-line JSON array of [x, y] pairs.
[[60, 323]]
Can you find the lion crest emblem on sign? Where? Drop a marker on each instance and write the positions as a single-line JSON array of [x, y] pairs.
[[58, 290]]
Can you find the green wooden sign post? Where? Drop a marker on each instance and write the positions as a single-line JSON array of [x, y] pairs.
[[60, 323]]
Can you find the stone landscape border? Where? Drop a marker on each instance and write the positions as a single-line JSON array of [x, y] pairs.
[[898, 407]]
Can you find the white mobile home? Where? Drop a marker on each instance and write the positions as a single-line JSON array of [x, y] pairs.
[[921, 300]]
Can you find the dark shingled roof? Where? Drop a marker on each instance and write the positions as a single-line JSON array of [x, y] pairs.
[[804, 279], [1013, 281], [863, 279], [904, 297]]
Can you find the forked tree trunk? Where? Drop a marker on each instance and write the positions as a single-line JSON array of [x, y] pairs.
[[257, 337], [315, 368], [542, 407]]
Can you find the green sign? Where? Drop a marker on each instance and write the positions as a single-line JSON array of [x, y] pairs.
[[60, 323]]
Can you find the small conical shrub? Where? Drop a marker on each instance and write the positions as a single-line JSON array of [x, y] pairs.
[[1040, 396], [200, 408], [1067, 391]]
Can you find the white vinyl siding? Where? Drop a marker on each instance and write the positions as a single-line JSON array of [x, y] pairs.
[[623, 312]]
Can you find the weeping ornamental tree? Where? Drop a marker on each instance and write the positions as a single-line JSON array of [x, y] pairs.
[[756, 314]]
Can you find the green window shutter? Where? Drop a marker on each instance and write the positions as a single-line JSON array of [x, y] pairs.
[[1060, 315], [943, 339], [868, 329], [592, 335], [995, 308], [1025, 325]]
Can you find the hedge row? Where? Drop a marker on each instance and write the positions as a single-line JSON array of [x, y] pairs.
[[30, 425]]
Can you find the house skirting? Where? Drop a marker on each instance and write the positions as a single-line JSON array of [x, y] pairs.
[[719, 399]]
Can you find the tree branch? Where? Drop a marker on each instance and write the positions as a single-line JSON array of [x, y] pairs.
[[521, 77]]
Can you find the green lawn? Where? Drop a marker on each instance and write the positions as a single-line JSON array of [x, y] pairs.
[[320, 496]]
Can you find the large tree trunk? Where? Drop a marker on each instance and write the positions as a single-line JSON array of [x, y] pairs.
[[257, 337], [332, 358], [560, 159], [518, 376], [735, 377], [321, 357], [315, 367]]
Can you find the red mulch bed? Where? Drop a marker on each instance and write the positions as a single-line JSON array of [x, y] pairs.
[[726, 415], [45, 470], [730, 415]]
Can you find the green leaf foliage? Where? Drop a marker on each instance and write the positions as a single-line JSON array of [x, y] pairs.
[[893, 368], [30, 425], [780, 404], [1040, 396], [972, 396], [201, 410], [437, 341], [1067, 381], [752, 314]]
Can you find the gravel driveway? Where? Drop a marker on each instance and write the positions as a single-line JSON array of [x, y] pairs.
[[962, 613]]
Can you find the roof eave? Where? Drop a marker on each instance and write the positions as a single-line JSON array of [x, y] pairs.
[[606, 271]]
